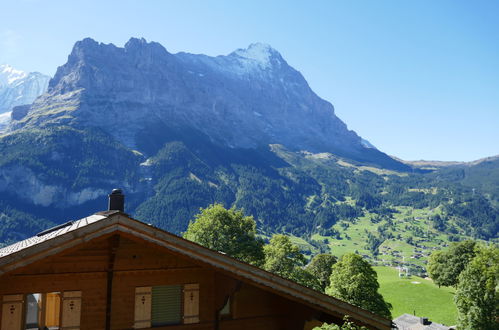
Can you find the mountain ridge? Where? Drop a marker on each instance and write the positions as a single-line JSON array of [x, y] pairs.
[[442, 163], [246, 99]]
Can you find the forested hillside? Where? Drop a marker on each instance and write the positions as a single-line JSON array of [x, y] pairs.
[[178, 132], [326, 202]]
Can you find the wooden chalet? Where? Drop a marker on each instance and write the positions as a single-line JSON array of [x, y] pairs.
[[109, 271]]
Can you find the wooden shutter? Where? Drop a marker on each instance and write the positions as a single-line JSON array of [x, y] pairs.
[[166, 305], [191, 303], [53, 309], [142, 308], [71, 310], [12, 312]]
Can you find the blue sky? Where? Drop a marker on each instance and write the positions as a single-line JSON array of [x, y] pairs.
[[418, 79]]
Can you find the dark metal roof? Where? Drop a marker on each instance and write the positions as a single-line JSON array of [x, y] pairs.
[[49, 234]]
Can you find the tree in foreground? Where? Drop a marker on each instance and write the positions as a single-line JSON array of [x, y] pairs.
[[347, 325], [477, 294], [228, 231], [355, 281], [437, 268], [284, 258], [444, 267], [321, 267]]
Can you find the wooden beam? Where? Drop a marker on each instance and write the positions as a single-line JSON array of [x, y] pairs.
[[127, 271], [114, 244]]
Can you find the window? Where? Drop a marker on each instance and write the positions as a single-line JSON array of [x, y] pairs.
[[50, 311], [165, 305], [43, 310], [33, 311], [225, 312]]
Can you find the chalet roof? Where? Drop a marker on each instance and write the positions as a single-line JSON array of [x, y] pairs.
[[412, 322], [58, 239], [49, 234]]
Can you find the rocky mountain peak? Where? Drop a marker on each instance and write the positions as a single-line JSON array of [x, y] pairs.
[[260, 53], [135, 44], [246, 99]]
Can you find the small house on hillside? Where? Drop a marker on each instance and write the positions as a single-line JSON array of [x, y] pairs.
[[412, 322], [109, 271]]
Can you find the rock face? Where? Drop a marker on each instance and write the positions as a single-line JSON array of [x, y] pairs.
[[18, 87], [246, 99]]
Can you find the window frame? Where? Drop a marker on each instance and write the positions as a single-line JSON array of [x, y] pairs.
[[141, 321], [42, 310]]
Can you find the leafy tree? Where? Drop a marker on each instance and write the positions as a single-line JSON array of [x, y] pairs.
[[321, 267], [305, 278], [444, 267], [284, 258], [228, 231], [437, 268], [354, 280], [477, 294], [348, 325]]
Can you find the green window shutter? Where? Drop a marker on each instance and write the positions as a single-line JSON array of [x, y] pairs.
[[166, 305]]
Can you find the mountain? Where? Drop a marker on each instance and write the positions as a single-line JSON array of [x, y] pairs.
[[180, 131], [18, 88], [247, 99], [479, 175]]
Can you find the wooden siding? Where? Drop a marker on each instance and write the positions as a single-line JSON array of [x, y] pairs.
[[141, 264]]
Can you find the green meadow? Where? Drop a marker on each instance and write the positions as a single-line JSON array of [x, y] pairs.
[[417, 295]]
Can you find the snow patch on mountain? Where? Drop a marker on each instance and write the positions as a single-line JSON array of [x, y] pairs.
[[18, 87], [367, 144], [258, 58], [257, 52], [9, 75], [4, 120]]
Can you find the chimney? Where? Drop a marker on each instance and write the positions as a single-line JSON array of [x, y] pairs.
[[424, 321], [116, 201]]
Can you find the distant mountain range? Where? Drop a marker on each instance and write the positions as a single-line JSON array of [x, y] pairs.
[[247, 99], [18, 88], [180, 131], [432, 164]]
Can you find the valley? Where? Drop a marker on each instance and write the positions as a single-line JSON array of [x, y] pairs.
[[166, 136]]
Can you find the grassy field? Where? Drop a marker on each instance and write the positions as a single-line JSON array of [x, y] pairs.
[[415, 294]]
